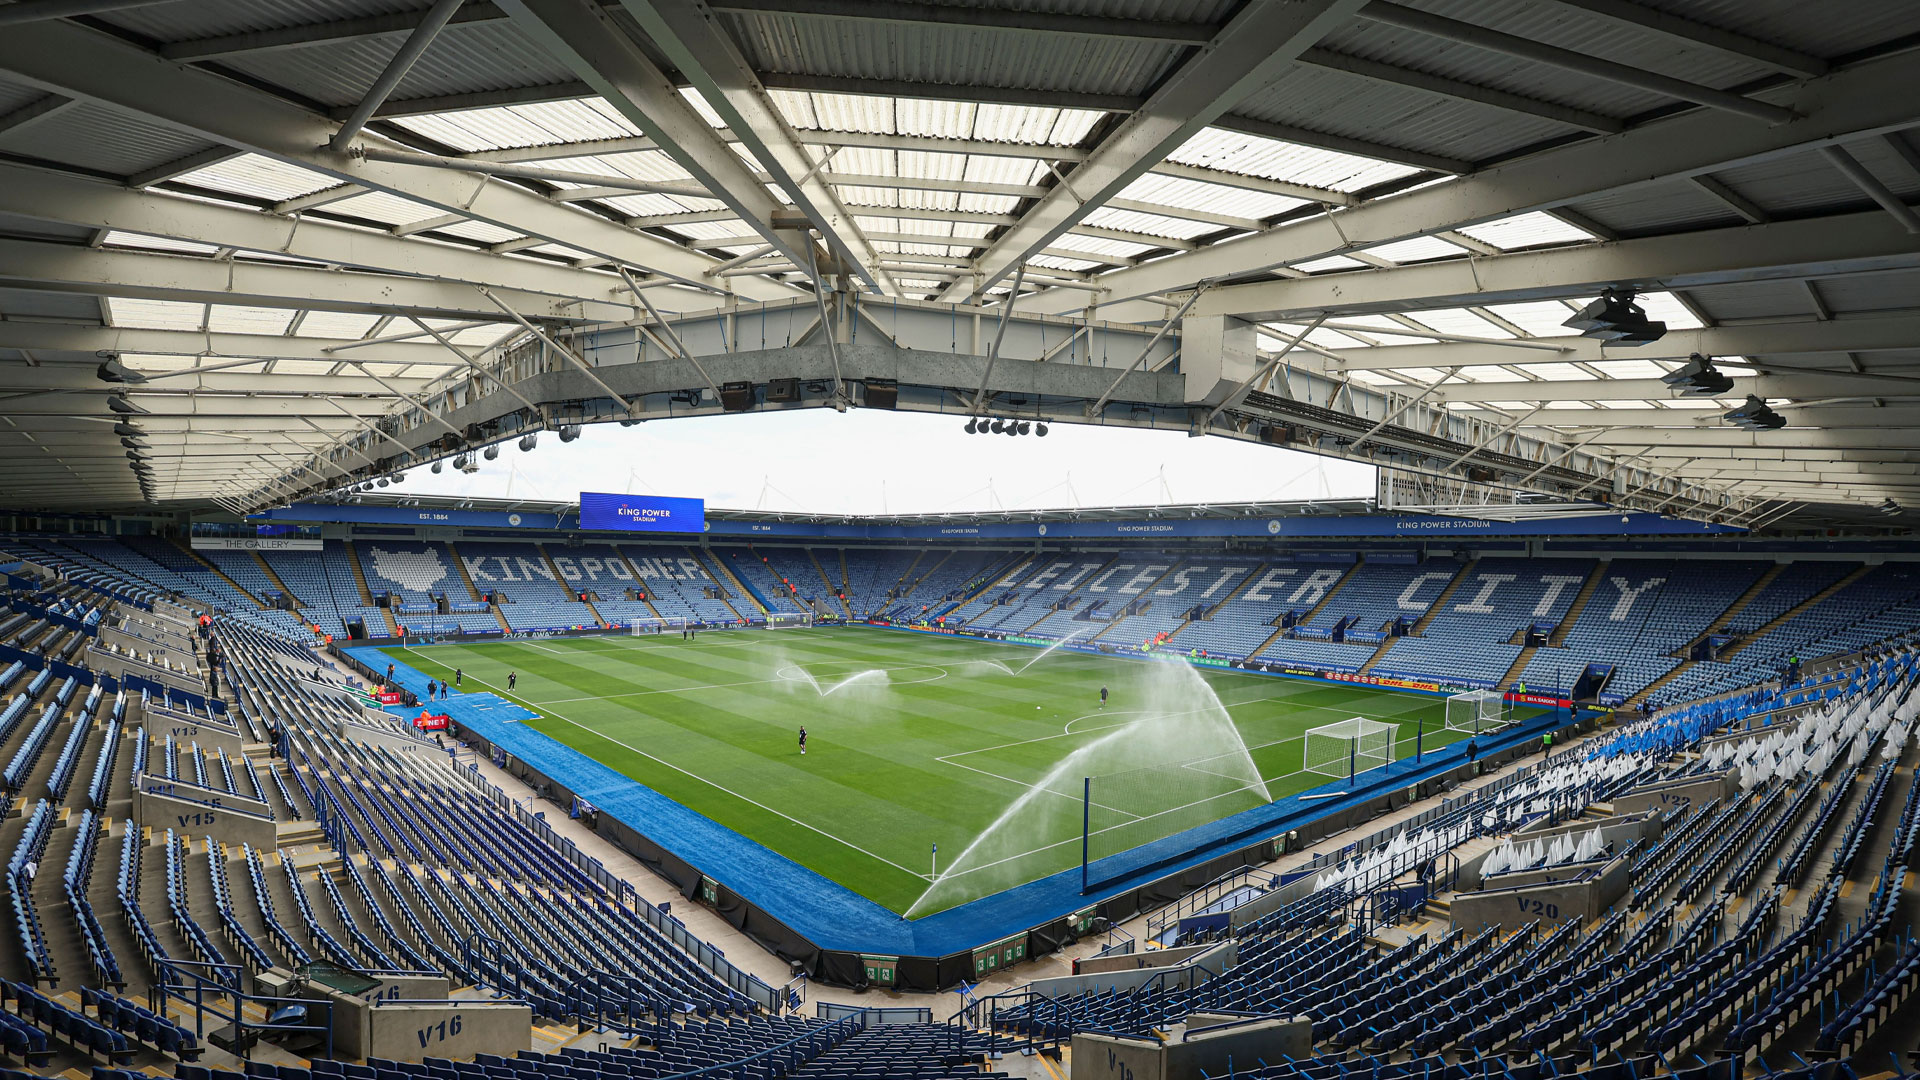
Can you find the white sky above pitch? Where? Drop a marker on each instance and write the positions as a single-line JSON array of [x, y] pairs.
[[873, 462]]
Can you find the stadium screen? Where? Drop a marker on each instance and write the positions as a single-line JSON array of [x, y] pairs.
[[641, 513]]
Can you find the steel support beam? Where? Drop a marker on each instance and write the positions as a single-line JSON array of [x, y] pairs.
[[695, 42], [1259, 42], [1424, 22], [1826, 385], [1678, 28], [397, 67], [586, 38], [33, 265], [84, 63], [1868, 100], [1790, 250], [1808, 337], [52, 196]]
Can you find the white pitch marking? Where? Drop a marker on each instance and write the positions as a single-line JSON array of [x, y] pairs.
[[719, 787]]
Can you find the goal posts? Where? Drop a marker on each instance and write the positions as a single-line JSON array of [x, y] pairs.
[[642, 627], [1476, 711], [788, 620], [1350, 747]]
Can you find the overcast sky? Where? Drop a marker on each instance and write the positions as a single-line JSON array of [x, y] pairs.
[[870, 461]]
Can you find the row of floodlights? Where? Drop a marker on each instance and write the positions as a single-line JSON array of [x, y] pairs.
[[979, 426]]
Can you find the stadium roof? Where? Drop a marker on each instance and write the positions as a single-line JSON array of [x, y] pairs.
[[305, 228]]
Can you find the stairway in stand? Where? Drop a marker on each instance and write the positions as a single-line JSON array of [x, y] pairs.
[[1559, 635]]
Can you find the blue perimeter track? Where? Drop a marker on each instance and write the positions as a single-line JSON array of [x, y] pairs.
[[837, 919]]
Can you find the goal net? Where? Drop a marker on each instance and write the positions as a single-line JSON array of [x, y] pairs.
[[643, 627], [1476, 711], [787, 620], [1349, 747]]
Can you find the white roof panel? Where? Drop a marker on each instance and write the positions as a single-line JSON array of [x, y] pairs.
[[156, 314], [232, 319], [1253, 155], [1417, 249], [1457, 321], [1526, 230]]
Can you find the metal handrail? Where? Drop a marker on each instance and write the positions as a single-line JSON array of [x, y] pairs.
[[202, 985]]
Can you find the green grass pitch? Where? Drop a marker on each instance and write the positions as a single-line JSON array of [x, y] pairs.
[[934, 751]]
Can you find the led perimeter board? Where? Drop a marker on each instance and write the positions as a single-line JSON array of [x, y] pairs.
[[641, 513]]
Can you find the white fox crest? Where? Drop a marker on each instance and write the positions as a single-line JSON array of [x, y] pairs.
[[416, 570]]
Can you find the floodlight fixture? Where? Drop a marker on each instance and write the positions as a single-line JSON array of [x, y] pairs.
[[1699, 378], [1615, 317]]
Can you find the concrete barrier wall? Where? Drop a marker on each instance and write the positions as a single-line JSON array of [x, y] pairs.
[[169, 649], [1196, 1053], [160, 809], [395, 740], [1549, 903], [119, 665], [1685, 792], [1152, 958], [411, 1032], [1197, 969], [187, 730]]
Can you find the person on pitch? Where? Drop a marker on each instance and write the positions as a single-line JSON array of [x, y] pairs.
[[511, 676], [1103, 697], [803, 742]]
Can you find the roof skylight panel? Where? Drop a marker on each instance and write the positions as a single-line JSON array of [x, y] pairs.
[[1415, 249], [712, 230], [871, 221], [944, 251], [1101, 245], [1526, 230], [1254, 155], [483, 231], [157, 243], [482, 336], [872, 115], [1491, 374], [234, 319], [918, 164], [258, 176], [1559, 372], [344, 325], [384, 207], [641, 204], [1541, 318], [863, 160], [1179, 191], [1031, 124], [155, 314], [1666, 307], [1458, 321], [987, 204], [858, 196], [1056, 262], [1373, 378], [1327, 263], [302, 367], [796, 107], [633, 165], [1642, 369], [995, 169], [1151, 224], [150, 362], [692, 96], [935, 119]]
